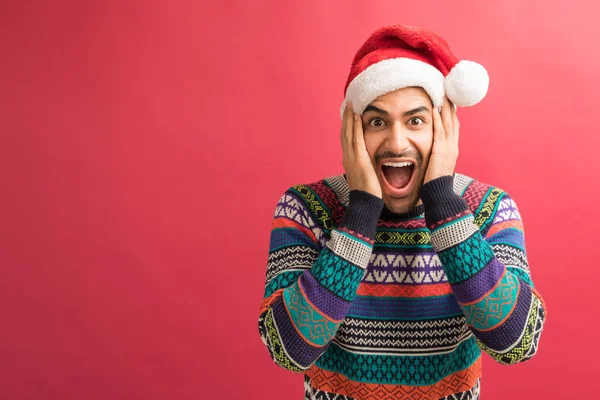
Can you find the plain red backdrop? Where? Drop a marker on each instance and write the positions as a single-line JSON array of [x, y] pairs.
[[146, 143]]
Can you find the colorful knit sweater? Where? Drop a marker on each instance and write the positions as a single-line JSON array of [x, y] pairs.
[[369, 304]]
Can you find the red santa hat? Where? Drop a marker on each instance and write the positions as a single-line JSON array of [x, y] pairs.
[[399, 56]]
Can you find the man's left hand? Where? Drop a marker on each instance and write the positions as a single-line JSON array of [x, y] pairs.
[[444, 151]]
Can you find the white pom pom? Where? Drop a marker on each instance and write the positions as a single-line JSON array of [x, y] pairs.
[[467, 83]]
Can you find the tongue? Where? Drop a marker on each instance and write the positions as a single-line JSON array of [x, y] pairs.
[[398, 177]]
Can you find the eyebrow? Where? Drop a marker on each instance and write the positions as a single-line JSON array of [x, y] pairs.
[[417, 110]]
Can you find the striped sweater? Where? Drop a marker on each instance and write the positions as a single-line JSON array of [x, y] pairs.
[[369, 304]]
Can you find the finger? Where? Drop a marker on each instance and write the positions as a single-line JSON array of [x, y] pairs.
[[438, 128], [455, 123], [347, 127], [447, 118], [359, 139]]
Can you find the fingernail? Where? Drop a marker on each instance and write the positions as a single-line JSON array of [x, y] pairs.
[[356, 117]]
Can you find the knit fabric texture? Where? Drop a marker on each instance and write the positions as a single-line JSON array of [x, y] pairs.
[[368, 304]]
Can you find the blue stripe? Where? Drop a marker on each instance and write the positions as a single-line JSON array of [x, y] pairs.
[[401, 308], [286, 237]]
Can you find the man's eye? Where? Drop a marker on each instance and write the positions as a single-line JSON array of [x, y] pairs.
[[376, 122], [416, 121]]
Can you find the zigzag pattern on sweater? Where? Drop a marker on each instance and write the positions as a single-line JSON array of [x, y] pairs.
[[290, 259], [461, 182], [319, 210], [329, 197], [397, 326], [434, 328], [511, 256], [370, 345], [474, 194], [417, 223], [289, 206]]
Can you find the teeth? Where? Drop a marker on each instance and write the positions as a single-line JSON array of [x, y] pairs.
[[398, 164]]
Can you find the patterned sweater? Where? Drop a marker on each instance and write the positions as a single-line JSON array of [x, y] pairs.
[[369, 304]]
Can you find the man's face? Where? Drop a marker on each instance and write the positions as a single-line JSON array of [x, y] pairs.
[[398, 128]]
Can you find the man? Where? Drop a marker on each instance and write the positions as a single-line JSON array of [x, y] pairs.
[[388, 281]]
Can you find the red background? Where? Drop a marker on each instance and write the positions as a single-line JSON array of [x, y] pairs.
[[145, 145]]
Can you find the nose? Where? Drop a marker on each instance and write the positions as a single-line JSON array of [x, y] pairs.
[[398, 139]]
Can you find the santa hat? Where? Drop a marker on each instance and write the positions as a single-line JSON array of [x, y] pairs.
[[399, 56]]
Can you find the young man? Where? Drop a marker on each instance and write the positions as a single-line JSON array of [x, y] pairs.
[[388, 281]]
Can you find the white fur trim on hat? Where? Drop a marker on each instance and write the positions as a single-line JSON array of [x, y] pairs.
[[467, 83], [393, 74]]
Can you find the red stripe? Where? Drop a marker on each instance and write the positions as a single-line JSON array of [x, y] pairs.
[[377, 290], [282, 222]]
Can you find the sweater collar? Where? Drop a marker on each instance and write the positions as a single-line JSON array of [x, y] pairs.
[[386, 214]]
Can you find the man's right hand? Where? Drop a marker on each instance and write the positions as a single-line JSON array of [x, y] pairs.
[[360, 172]]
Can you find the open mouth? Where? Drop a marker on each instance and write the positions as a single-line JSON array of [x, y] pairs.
[[398, 176]]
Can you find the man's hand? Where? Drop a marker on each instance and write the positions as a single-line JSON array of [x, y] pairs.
[[444, 152], [355, 158]]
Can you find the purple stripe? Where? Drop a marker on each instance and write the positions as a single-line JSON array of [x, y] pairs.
[[404, 308], [325, 301], [296, 347], [479, 284], [508, 333]]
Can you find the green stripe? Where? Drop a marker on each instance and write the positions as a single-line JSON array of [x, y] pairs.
[[403, 319], [337, 274], [349, 236], [466, 187], [403, 246], [417, 370], [491, 218], [314, 326], [521, 274], [423, 230], [452, 223], [493, 308], [466, 259], [292, 244], [282, 280], [483, 199]]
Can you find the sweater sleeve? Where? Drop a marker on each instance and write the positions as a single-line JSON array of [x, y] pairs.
[[485, 261], [311, 279]]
